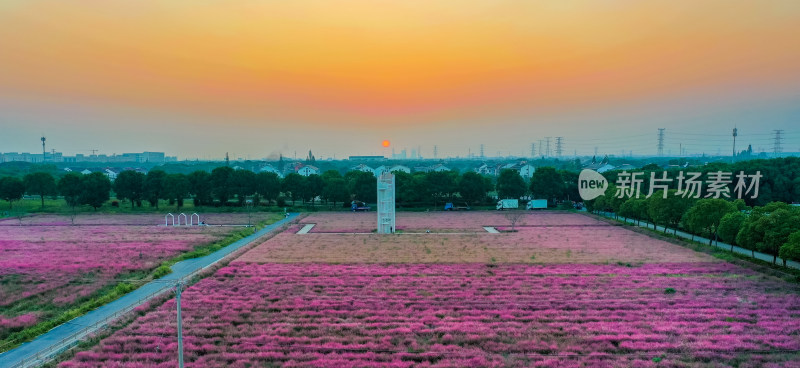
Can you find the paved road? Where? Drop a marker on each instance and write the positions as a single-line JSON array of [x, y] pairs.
[[68, 334], [719, 244]]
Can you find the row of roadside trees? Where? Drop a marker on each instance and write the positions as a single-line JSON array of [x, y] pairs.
[[772, 229]]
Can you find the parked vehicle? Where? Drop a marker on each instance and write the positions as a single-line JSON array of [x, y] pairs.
[[507, 204], [535, 204], [451, 207], [359, 207]]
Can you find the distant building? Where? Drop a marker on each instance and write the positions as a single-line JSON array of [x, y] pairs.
[[154, 157], [601, 166], [402, 168], [363, 168], [367, 158], [270, 168], [434, 168]]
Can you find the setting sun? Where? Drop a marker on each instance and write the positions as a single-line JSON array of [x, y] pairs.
[[385, 143]]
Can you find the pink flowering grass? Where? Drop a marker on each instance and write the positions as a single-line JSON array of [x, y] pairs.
[[456, 315], [48, 268], [150, 219], [540, 244], [365, 222]]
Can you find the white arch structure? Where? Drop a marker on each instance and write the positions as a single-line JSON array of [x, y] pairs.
[[185, 219], [166, 221], [191, 219]]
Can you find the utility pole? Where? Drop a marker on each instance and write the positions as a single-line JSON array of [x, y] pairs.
[[227, 159], [661, 141], [776, 145], [178, 290], [533, 150], [44, 150], [559, 142], [482, 156], [435, 152], [735, 133]]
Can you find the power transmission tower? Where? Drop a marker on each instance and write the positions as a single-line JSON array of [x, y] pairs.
[[777, 148], [435, 151], [547, 149], [661, 141], [540, 147], [559, 146], [735, 133], [482, 156], [533, 150]]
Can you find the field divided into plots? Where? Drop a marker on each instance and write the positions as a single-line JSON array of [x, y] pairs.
[[580, 295], [47, 265]]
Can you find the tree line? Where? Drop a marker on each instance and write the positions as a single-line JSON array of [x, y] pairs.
[[224, 186], [773, 228]]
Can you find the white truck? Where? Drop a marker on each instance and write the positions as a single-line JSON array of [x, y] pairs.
[[536, 204], [509, 204]]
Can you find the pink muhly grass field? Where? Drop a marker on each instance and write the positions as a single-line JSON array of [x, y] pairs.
[[541, 244], [476, 315], [58, 265], [365, 222]]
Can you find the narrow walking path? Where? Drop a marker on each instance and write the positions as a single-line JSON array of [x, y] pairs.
[[739, 250], [50, 344]]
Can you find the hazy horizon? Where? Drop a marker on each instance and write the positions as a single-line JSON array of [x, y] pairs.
[[257, 79]]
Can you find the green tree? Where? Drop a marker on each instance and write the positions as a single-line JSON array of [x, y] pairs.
[[11, 189], [791, 250], [154, 186], [293, 185], [200, 187], [335, 189], [364, 186], [130, 185], [780, 224], [510, 184], [71, 186], [314, 187], [222, 184], [729, 227], [667, 211], [177, 188], [410, 189], [755, 226], [268, 185], [41, 184], [243, 182], [441, 185], [547, 183], [705, 216], [473, 187], [96, 190]]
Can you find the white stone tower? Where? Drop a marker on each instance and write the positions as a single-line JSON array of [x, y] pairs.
[[386, 194]]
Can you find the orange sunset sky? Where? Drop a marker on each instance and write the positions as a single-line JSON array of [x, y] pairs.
[[201, 78]]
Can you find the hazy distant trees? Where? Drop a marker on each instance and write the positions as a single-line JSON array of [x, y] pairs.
[[292, 186], [41, 184], [11, 190]]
